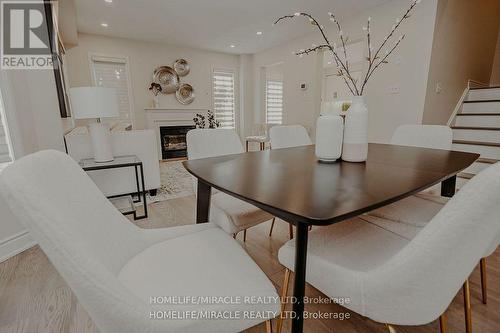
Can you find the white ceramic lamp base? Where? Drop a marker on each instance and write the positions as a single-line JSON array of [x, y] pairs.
[[99, 134]]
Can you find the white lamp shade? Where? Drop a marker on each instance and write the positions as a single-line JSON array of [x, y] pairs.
[[94, 102]]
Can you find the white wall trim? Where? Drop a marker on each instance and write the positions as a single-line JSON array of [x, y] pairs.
[[15, 244]]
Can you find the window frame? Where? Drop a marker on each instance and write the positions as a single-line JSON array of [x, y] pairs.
[[115, 59], [266, 81], [235, 73]]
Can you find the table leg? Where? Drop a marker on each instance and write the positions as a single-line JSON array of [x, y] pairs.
[[137, 184], [448, 187], [204, 193], [299, 286], [145, 204]]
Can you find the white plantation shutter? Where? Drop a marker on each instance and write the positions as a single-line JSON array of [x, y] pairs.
[[224, 98], [4, 145], [113, 73], [274, 101]]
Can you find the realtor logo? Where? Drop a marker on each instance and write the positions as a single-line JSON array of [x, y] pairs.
[[25, 39]]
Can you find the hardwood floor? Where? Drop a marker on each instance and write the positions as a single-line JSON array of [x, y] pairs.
[[34, 297]]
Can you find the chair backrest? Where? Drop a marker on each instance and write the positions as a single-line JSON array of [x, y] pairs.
[[202, 143], [82, 233], [435, 264], [425, 136], [288, 136]]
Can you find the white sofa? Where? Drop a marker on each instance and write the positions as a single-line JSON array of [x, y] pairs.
[[120, 181]]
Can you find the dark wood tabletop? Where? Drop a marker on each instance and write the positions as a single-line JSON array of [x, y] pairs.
[[291, 184]]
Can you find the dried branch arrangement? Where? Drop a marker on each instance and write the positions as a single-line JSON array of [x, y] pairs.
[[376, 58]]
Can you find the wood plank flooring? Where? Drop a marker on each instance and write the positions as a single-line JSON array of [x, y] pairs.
[[34, 297]]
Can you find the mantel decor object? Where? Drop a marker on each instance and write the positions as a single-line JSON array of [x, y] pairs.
[[181, 67], [355, 146], [185, 94], [167, 78]]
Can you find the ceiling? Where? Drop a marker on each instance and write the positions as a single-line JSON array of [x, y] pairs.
[[209, 24]]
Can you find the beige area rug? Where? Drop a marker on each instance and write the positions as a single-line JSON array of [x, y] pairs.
[[176, 182]]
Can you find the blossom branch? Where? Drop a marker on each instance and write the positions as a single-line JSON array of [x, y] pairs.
[[338, 60]]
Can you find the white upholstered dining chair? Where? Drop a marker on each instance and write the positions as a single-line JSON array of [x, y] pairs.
[[409, 280], [288, 136], [231, 214], [119, 272], [414, 212]]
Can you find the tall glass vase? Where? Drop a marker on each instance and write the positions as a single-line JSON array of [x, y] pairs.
[[355, 145]]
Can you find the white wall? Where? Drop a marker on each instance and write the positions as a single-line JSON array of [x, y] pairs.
[[32, 114], [408, 69], [495, 72], [144, 57], [464, 48]]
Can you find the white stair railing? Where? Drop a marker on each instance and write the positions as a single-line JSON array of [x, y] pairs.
[[470, 84]]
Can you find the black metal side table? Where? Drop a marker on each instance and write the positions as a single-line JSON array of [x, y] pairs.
[[124, 202]]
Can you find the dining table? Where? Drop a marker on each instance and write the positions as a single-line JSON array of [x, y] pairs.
[[294, 186]]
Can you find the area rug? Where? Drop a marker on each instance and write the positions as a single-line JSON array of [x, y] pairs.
[[176, 182]]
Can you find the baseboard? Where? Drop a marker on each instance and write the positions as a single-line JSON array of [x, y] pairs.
[[13, 245]]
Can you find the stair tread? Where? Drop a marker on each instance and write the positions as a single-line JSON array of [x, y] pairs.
[[487, 160], [478, 114], [476, 143], [466, 175], [476, 128], [484, 101], [483, 88]]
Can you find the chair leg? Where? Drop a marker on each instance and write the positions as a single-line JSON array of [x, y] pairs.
[[484, 285], [391, 328], [284, 292], [244, 235], [467, 307], [290, 230], [443, 323], [269, 326], [272, 226]]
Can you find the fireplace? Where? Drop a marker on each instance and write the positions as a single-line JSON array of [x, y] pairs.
[[173, 141]]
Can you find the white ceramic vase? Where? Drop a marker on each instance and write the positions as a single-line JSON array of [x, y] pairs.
[[355, 146], [156, 101], [329, 133]]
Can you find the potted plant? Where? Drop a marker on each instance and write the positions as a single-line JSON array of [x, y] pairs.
[[355, 140]]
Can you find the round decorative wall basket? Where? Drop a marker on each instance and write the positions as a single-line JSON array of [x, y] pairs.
[[167, 78], [185, 94], [181, 67]]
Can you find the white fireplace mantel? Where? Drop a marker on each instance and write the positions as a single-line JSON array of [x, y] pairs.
[[158, 117]]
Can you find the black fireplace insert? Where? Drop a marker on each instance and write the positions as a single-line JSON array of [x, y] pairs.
[[173, 141]]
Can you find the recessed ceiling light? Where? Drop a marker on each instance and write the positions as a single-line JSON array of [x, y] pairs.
[[232, 46], [108, 1], [259, 33], [104, 25]]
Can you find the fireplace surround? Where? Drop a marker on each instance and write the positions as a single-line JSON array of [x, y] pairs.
[[173, 141]]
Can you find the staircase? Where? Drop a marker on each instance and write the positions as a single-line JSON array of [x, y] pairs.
[[476, 127]]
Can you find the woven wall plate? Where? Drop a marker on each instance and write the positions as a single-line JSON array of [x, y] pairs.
[[185, 94], [181, 67], [167, 78]]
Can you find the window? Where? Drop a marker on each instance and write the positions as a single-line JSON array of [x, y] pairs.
[[112, 72], [274, 101], [224, 98], [5, 155]]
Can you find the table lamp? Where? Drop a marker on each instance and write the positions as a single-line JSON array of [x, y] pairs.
[[98, 103]]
